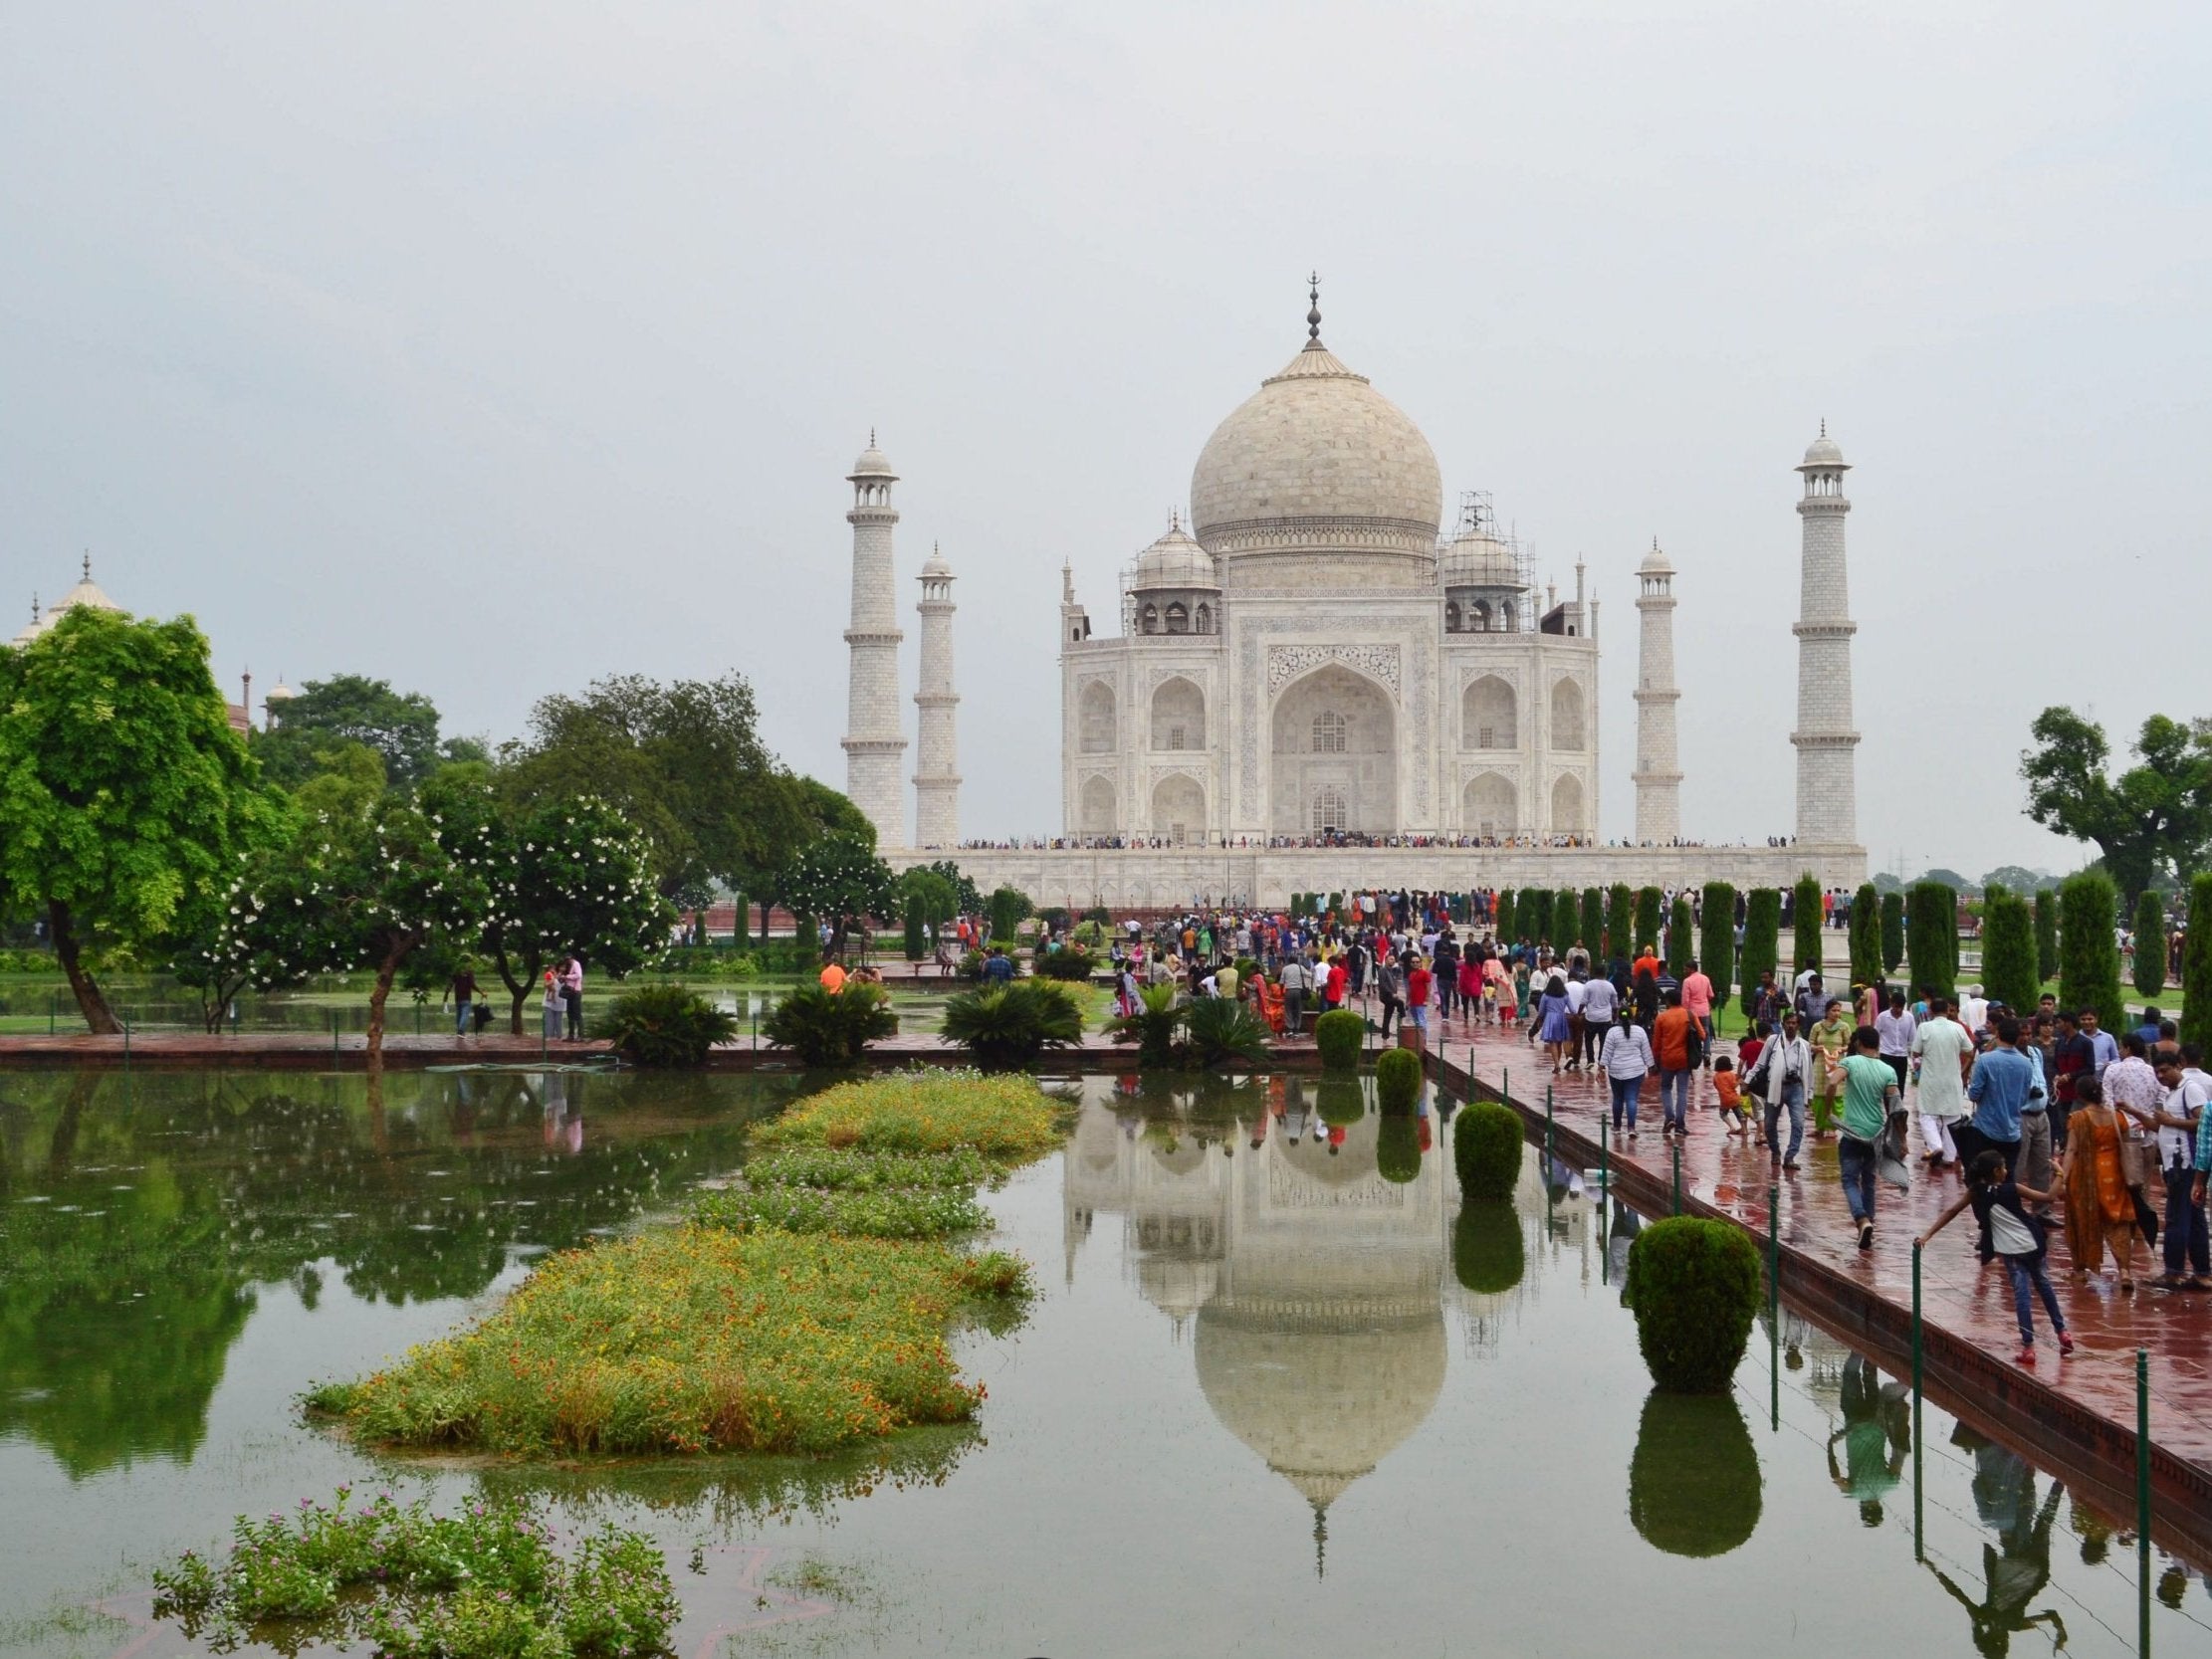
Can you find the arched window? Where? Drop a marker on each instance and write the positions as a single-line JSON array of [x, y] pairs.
[[1206, 619], [1566, 714], [1328, 813], [1489, 715], [1481, 622], [1151, 620], [1452, 616], [1328, 733], [1178, 618]]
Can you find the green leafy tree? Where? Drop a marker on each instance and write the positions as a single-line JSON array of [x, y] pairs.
[[940, 899], [1680, 938], [1716, 944], [1593, 922], [1651, 917], [2196, 968], [563, 877], [2152, 819], [2014, 878], [401, 726], [1866, 935], [2009, 949], [2150, 944], [2046, 932], [1931, 938], [1892, 931], [1805, 923], [126, 802], [2089, 955], [1762, 941], [1619, 922], [840, 880]]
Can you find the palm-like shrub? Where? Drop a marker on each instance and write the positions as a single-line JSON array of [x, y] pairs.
[[667, 1025], [1340, 1035], [1805, 923], [1069, 962], [830, 1028], [1762, 941], [1486, 1148], [2150, 944], [1694, 1287], [1398, 1150], [1153, 1028], [2089, 959], [1398, 1081], [1219, 1031], [1489, 1254], [1010, 1026]]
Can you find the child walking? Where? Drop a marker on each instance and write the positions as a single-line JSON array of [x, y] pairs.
[[1735, 1111], [2019, 1238]]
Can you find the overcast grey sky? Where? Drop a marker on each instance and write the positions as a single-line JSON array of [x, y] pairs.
[[494, 348]]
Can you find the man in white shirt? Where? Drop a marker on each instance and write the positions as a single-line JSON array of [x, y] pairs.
[[1944, 1051], [1896, 1026], [1973, 1009], [2180, 1124], [1600, 1003], [1577, 996]]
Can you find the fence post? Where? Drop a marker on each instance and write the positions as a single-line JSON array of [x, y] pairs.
[[53, 1007], [126, 1039], [1774, 1306], [1547, 1129], [2143, 1497], [1605, 1197], [1919, 1506], [333, 1039], [1677, 1178]]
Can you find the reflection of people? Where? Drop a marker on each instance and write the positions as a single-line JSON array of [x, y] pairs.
[[2016, 1569], [1876, 1433], [1619, 1235]]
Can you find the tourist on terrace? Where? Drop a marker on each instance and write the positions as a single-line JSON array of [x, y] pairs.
[[1697, 1002], [1831, 1040], [1390, 988], [1941, 1052], [1418, 981], [1600, 1003], [1554, 1021], [2100, 1208], [1871, 1092], [2020, 1241], [1626, 1058], [1778, 1079], [1895, 1027], [1671, 1047], [2180, 1126]]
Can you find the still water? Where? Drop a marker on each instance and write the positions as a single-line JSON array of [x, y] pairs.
[[1274, 1398]]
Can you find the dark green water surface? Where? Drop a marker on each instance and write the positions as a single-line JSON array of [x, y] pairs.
[[1274, 1400]]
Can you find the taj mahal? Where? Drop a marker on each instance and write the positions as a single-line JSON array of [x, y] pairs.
[[1316, 684]]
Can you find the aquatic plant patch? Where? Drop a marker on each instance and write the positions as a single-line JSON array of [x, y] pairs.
[[696, 1340], [848, 1170], [486, 1584], [923, 1110], [855, 1212]]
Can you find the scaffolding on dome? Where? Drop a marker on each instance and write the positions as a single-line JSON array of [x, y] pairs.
[[1478, 517]]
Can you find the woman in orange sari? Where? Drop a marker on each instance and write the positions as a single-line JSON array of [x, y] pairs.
[[2100, 1210], [1271, 1004]]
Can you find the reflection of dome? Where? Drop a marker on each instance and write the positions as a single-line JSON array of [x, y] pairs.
[[1321, 1398], [1317, 461]]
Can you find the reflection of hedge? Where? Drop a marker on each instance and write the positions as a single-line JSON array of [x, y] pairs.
[[1487, 1251], [1694, 1285], [1398, 1081], [1398, 1150], [1486, 1146], [1341, 1101], [1694, 1484], [1340, 1034]]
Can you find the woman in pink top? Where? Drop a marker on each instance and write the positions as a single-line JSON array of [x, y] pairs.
[[1698, 1003]]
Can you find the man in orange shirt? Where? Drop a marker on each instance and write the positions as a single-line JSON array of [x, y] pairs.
[[1670, 1046], [833, 978], [1646, 961]]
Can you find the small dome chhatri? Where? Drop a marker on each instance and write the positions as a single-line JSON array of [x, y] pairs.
[[1655, 563], [1174, 561], [872, 463], [1824, 453], [1317, 462]]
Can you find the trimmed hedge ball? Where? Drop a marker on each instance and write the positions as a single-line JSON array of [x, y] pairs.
[[1694, 1288], [1486, 1146], [1340, 1034]]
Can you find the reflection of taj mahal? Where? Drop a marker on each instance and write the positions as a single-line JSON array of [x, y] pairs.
[[1315, 1286]]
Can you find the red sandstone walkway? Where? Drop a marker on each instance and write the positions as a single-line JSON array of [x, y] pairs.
[[1958, 1294]]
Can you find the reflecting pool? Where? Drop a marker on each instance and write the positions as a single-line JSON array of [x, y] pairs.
[[1280, 1394]]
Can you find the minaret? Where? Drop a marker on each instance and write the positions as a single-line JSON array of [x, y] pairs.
[[1827, 785], [1659, 778], [937, 769], [874, 742]]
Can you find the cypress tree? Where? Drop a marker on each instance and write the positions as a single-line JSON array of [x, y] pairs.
[[1592, 925], [914, 922], [1805, 923], [2009, 951], [1505, 921], [2196, 969], [1762, 939], [2088, 957], [1566, 920], [1892, 931], [2150, 944], [1619, 922], [1716, 944], [1532, 912], [1651, 917], [2046, 932], [1680, 939], [1866, 935], [741, 931], [1931, 938]]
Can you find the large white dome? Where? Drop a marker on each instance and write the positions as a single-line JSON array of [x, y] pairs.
[[1317, 462]]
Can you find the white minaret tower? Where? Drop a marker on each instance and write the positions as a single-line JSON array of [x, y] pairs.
[[1659, 778], [937, 769], [1827, 781], [874, 742]]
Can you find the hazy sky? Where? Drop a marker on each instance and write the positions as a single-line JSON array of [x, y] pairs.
[[492, 348]]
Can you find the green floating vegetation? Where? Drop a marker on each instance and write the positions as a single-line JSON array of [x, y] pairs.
[[998, 1117], [848, 1170], [695, 1340], [487, 1583], [854, 1212]]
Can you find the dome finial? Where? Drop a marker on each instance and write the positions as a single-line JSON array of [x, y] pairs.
[[1174, 518], [88, 564], [1824, 426], [1313, 313], [33, 604], [1320, 1541]]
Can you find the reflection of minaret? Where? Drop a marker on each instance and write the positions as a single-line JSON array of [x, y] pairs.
[[1827, 783], [1659, 778], [937, 764], [873, 740]]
